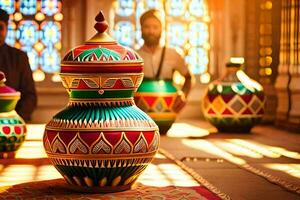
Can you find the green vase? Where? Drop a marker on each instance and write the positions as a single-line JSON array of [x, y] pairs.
[[12, 126], [234, 103], [156, 98]]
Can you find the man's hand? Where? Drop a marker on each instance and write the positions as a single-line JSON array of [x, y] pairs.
[[180, 102]]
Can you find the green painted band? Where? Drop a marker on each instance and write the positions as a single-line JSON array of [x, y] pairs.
[[95, 94], [7, 105], [165, 86]]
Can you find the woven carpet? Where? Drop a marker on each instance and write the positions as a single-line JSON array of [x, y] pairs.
[[30, 175], [58, 189]]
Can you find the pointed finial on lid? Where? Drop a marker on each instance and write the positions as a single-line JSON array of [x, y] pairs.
[[101, 24]]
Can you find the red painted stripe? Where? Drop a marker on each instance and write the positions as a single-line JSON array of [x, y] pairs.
[[205, 193], [101, 69]]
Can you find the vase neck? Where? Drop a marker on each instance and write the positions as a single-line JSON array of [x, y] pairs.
[[109, 102], [102, 88]]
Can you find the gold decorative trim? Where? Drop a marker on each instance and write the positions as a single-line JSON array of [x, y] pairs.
[[107, 125], [101, 102], [101, 81], [195, 175], [9, 96], [129, 99], [100, 163], [101, 156]]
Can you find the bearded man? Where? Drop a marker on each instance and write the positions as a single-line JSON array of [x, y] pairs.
[[160, 62]]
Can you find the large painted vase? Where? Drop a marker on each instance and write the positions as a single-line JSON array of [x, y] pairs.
[[156, 98], [101, 141], [235, 103], [12, 126]]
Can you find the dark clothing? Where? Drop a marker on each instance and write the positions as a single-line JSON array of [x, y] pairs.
[[14, 63]]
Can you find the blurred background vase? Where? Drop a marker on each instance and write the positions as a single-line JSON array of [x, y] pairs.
[[101, 141], [12, 126], [156, 98], [235, 102]]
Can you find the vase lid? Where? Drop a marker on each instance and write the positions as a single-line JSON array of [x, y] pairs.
[[101, 54], [5, 90]]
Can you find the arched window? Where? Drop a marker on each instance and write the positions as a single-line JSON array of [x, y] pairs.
[[186, 25], [34, 26]]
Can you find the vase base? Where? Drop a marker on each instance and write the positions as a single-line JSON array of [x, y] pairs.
[[234, 129], [163, 129]]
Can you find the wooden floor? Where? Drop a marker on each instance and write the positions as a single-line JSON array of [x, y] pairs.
[[240, 165]]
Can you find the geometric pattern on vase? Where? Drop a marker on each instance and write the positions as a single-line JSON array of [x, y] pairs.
[[12, 126], [93, 53], [233, 105], [89, 143], [127, 82], [12, 132], [218, 104], [122, 158], [101, 141], [237, 105], [156, 98]]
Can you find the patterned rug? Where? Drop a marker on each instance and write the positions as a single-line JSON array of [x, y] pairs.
[[58, 189], [30, 175]]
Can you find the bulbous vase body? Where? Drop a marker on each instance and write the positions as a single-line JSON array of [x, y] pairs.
[[101, 141], [12, 133], [156, 98], [234, 103], [12, 126]]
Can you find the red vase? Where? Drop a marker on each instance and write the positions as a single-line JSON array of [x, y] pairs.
[[101, 141]]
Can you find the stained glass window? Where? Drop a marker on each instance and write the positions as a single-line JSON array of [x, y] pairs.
[[176, 34], [28, 7], [125, 7], [11, 34], [27, 33], [175, 7], [124, 33], [8, 5], [50, 7], [186, 27], [34, 27]]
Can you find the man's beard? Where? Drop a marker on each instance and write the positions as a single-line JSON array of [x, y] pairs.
[[151, 40]]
